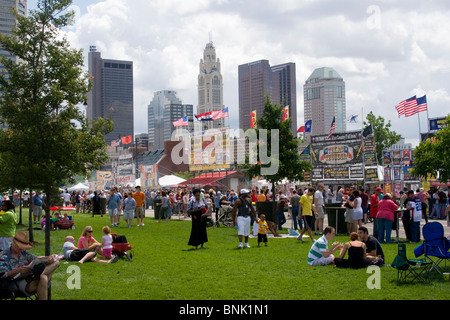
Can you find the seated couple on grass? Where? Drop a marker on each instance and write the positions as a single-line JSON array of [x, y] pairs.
[[361, 253]]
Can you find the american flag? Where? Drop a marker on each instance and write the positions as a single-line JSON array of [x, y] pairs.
[[115, 143], [422, 104], [182, 122], [410, 106], [333, 126]]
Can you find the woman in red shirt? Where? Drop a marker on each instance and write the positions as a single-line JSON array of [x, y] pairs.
[[385, 217]]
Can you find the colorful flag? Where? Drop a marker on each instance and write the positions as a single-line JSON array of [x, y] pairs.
[[354, 118], [204, 116], [306, 127], [410, 106], [253, 119], [333, 127], [422, 104], [115, 143], [401, 108], [126, 140], [285, 113], [182, 122], [216, 115]]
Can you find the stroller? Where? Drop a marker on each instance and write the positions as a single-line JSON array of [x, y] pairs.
[[121, 246], [224, 216]]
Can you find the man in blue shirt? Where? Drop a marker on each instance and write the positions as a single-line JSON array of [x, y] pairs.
[[37, 201], [113, 203], [217, 203]]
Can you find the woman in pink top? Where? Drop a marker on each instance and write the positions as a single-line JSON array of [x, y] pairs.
[[385, 216], [87, 241]]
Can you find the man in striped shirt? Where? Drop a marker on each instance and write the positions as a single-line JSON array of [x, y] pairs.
[[319, 255]]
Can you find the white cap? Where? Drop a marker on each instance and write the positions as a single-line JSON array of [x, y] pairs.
[[244, 191], [283, 196]]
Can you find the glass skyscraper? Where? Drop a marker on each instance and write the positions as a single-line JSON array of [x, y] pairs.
[[258, 80], [324, 99], [111, 96], [163, 110]]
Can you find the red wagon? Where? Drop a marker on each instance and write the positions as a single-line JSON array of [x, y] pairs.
[[121, 247]]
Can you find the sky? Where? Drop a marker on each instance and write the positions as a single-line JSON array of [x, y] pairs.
[[385, 50]]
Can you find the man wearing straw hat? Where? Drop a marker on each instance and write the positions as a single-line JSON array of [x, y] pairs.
[[28, 273]]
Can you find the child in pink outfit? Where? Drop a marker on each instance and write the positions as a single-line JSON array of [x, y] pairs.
[[107, 243]]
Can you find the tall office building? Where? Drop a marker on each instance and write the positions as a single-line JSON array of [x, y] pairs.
[[8, 21], [111, 96], [163, 110], [210, 87], [324, 99], [257, 80]]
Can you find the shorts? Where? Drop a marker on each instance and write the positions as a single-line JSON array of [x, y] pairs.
[[349, 215], [128, 214], [107, 253], [321, 213], [262, 237], [78, 254], [113, 212], [322, 261], [243, 226], [37, 211], [139, 212], [308, 221]]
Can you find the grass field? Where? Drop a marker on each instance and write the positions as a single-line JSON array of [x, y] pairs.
[[164, 267]]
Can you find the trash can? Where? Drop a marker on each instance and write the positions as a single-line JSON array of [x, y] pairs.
[[336, 217], [157, 208], [266, 208]]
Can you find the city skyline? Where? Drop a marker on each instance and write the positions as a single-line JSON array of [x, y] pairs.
[[386, 52]]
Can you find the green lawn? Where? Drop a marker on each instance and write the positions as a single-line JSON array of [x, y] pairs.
[[164, 267]]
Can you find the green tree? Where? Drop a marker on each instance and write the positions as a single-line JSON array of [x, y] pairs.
[[282, 151], [384, 137], [432, 156], [39, 95]]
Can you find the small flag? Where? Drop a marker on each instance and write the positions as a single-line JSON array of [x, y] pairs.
[[253, 119], [204, 116], [367, 131], [126, 140], [355, 118], [285, 113], [333, 127], [115, 143], [306, 127], [182, 122], [422, 104], [216, 115], [401, 108]]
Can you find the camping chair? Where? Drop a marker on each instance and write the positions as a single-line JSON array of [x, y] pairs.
[[406, 267], [435, 247]]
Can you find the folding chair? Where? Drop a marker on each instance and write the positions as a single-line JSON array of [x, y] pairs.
[[435, 246], [406, 267]]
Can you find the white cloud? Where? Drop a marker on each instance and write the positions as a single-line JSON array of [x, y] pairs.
[[384, 54]]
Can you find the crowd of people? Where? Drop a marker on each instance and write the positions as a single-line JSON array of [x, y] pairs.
[[304, 206]]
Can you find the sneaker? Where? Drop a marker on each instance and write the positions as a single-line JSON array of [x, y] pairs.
[[300, 238], [246, 245], [240, 246], [114, 259]]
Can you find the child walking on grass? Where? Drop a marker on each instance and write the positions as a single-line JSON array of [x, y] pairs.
[[263, 229]]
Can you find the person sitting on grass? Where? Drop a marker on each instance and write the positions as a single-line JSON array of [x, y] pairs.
[[72, 253], [319, 255], [356, 254]]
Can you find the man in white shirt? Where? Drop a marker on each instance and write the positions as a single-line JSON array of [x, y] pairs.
[[318, 209]]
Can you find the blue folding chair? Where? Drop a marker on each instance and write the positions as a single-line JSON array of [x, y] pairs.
[[435, 246]]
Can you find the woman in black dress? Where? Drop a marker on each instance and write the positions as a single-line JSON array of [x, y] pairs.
[[356, 254], [196, 208]]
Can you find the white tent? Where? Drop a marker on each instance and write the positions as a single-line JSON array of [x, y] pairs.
[[169, 181], [79, 187]]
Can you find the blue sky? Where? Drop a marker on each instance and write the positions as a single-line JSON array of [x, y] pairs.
[[385, 50]]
